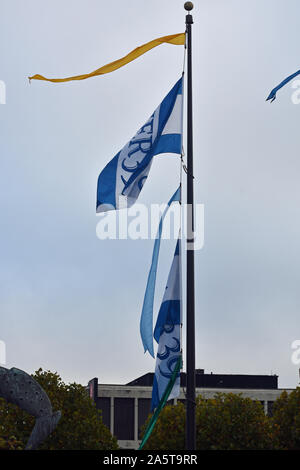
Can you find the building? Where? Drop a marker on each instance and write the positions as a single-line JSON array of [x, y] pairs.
[[125, 408]]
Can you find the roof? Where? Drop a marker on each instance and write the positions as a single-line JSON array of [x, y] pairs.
[[240, 381]]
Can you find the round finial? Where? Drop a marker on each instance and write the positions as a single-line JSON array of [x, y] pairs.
[[188, 6]]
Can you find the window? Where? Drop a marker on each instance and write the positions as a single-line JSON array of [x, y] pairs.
[[144, 407], [124, 418], [103, 404]]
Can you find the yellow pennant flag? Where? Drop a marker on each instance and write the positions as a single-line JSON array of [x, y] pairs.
[[177, 39]]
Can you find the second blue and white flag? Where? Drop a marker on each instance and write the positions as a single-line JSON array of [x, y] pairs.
[[167, 333], [121, 181]]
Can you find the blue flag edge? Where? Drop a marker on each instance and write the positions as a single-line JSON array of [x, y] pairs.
[[146, 322], [272, 95]]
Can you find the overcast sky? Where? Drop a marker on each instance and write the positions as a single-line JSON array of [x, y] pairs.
[[70, 302]]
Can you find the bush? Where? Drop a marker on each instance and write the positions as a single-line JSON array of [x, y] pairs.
[[286, 420], [10, 443], [231, 422], [226, 422]]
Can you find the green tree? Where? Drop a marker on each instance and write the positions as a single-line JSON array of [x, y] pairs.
[[226, 422], [10, 443], [286, 420], [80, 426], [231, 422]]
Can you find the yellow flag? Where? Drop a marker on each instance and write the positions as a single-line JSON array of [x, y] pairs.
[[177, 39]]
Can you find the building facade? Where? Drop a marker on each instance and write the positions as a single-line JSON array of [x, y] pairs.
[[125, 408]]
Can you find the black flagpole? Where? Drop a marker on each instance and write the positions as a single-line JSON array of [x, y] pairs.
[[190, 275]]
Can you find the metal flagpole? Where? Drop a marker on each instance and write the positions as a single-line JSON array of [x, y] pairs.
[[190, 275]]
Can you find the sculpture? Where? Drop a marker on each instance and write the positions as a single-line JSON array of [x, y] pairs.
[[19, 388]]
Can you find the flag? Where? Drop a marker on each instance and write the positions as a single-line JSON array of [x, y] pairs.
[[168, 335], [177, 39], [121, 181], [161, 404], [272, 95], [146, 322]]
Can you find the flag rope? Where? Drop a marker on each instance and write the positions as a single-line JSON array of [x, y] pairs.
[[161, 404]]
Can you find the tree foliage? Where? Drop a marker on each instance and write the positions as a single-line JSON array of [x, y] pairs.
[[10, 443], [231, 422], [80, 426], [286, 420], [226, 422]]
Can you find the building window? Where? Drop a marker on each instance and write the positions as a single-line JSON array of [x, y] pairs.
[[103, 404], [144, 408], [124, 419]]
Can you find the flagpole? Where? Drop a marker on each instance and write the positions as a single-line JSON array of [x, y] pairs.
[[190, 275]]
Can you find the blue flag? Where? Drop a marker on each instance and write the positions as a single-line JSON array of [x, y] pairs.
[[272, 95], [146, 322], [121, 181], [167, 334]]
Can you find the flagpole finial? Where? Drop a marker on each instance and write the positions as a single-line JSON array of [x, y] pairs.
[[188, 6]]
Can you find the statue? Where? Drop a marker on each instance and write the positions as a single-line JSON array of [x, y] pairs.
[[19, 388]]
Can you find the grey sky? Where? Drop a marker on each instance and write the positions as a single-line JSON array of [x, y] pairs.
[[72, 303]]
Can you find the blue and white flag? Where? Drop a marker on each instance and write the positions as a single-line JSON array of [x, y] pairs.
[[167, 333], [146, 322], [121, 181], [272, 95]]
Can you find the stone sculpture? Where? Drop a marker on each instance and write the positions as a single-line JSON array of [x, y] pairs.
[[19, 388]]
